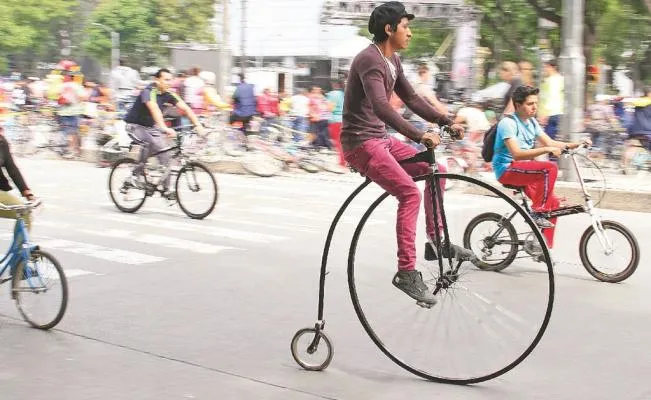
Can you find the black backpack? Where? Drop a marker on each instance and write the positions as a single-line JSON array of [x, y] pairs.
[[488, 148]]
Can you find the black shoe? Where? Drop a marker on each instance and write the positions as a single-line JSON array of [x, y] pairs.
[[457, 252], [411, 282], [169, 195], [430, 253]]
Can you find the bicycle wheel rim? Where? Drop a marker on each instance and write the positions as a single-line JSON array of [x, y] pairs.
[[196, 190], [126, 198], [259, 163], [40, 290], [386, 346], [598, 263]]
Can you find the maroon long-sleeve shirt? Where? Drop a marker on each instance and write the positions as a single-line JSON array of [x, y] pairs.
[[366, 101]]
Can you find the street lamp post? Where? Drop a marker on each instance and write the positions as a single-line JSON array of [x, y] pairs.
[[573, 67], [115, 48]]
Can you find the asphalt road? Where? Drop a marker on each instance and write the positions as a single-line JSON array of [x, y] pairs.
[[164, 307]]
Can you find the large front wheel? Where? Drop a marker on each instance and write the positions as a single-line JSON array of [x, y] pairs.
[[483, 325], [196, 190], [610, 254]]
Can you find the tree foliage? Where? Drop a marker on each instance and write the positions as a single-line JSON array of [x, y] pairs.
[[617, 30], [31, 27], [132, 20], [141, 23], [32, 30]]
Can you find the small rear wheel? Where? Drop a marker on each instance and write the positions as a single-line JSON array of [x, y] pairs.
[[493, 239], [616, 259], [306, 351], [40, 290]]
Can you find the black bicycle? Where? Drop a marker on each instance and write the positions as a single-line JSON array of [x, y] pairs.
[[195, 186], [483, 325], [608, 250]]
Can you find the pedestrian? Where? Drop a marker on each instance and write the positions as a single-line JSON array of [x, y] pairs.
[[336, 99]]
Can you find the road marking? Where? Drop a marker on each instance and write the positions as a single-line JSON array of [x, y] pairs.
[[189, 226], [101, 252], [71, 273], [159, 240]]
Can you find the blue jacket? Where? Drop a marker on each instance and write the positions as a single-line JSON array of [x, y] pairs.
[[641, 124], [244, 100]]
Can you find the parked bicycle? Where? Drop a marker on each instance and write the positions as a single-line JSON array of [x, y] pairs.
[[195, 186], [494, 237]]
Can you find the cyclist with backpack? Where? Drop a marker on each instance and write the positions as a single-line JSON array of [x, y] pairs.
[[511, 146]]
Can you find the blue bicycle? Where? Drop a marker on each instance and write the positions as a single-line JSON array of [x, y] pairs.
[[38, 283]]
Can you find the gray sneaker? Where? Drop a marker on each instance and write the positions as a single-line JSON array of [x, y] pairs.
[[457, 252], [411, 282], [541, 221]]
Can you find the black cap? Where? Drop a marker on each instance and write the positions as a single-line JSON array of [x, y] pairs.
[[387, 13]]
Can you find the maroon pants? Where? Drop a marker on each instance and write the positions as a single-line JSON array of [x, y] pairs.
[[335, 137], [377, 159], [538, 179]]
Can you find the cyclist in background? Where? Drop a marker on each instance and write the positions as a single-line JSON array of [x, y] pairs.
[[514, 157], [146, 124]]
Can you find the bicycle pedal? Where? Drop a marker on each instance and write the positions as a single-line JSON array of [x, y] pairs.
[[430, 253]]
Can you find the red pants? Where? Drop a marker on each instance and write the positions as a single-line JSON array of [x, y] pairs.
[[538, 179], [377, 159], [335, 137]]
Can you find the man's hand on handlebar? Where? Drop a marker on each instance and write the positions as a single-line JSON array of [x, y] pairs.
[[430, 139], [200, 130], [555, 151], [169, 132], [457, 131], [587, 142]]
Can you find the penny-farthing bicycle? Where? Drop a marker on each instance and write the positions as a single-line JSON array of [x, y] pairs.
[[483, 325]]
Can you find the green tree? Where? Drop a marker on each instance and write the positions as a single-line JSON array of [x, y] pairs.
[[185, 20], [133, 20], [29, 29], [140, 24]]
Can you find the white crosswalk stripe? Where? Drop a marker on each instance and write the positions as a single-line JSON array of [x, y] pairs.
[[252, 214], [101, 252]]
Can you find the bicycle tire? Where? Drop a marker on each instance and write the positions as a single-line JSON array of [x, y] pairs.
[[259, 163], [17, 290], [426, 374], [513, 238], [309, 165], [119, 206], [595, 271], [234, 145], [186, 168]]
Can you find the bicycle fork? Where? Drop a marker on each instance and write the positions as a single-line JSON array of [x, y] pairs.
[[599, 231]]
